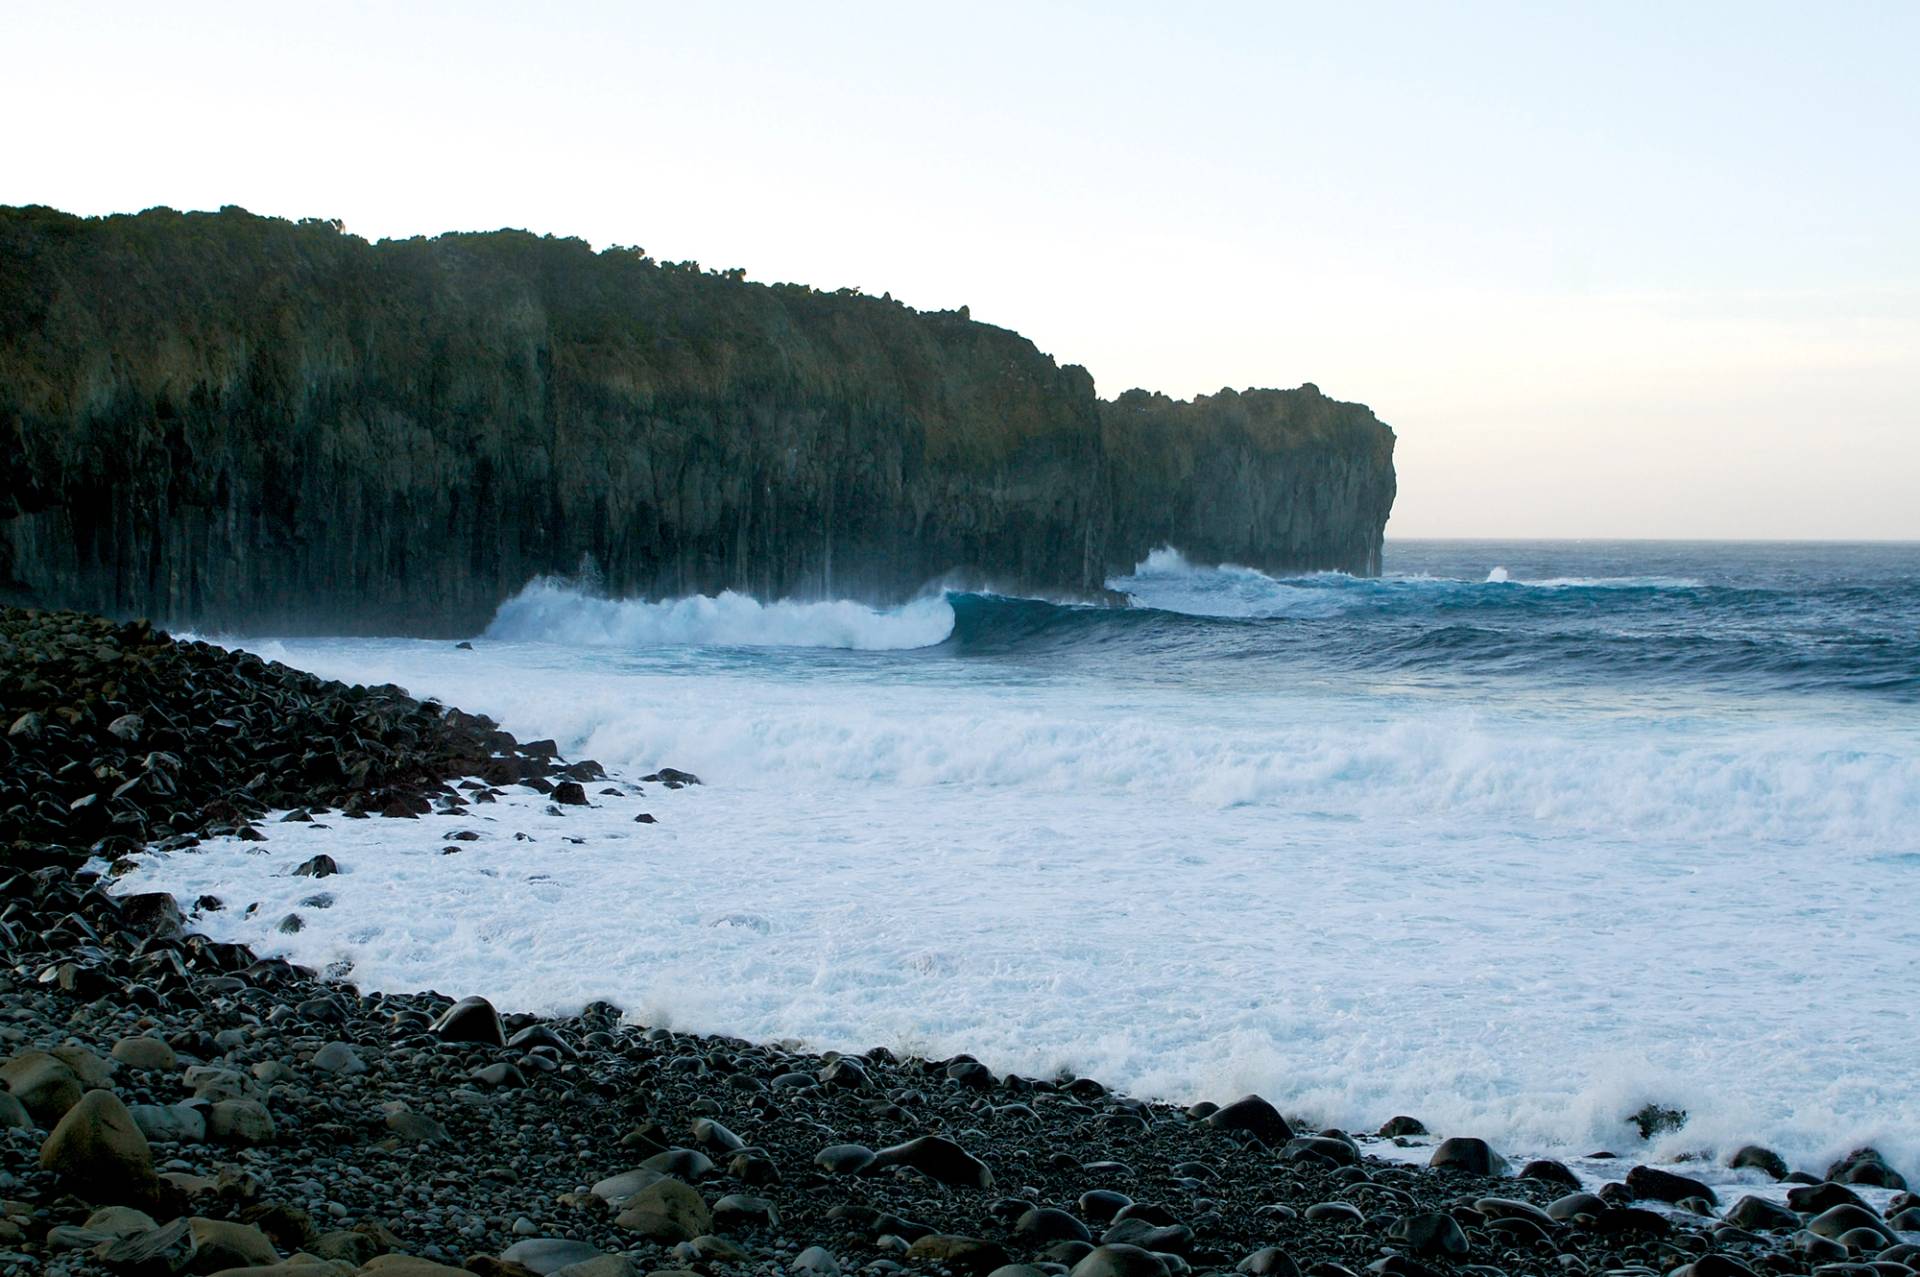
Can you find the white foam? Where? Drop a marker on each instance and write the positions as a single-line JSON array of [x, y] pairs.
[[554, 611], [1510, 922], [1166, 580]]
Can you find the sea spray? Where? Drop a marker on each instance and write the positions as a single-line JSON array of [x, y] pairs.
[[1635, 827]]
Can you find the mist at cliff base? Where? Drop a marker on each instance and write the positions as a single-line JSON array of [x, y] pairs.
[[1517, 839]]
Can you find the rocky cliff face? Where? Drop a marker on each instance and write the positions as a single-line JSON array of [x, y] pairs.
[[1281, 480], [230, 420]]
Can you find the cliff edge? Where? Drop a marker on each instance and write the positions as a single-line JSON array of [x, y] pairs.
[[228, 420]]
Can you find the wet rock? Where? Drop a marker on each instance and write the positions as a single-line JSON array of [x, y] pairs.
[[680, 1163], [1429, 1234], [13, 1114], [1513, 1208], [383, 1266], [1574, 1205], [317, 867], [1548, 1171], [941, 1159], [1402, 1127], [119, 1221], [818, 1261], [1760, 1215], [1120, 1261], [1268, 1261], [1758, 1158], [44, 1085], [1865, 1166], [242, 1122], [545, 1255], [157, 1252], [221, 1244], [617, 1190], [1648, 1183], [1656, 1119], [960, 1253], [1844, 1218], [1334, 1213], [416, 1128], [711, 1135], [1468, 1155], [97, 1150], [1714, 1264], [500, 1076], [845, 1072], [1629, 1222], [1333, 1151], [144, 1053], [1254, 1116], [1042, 1225], [1811, 1199], [741, 1210], [844, 1159], [338, 1057], [1101, 1205], [666, 1211], [470, 1020], [599, 1266], [170, 1123]]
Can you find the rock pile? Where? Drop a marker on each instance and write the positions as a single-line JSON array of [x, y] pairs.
[[113, 736]]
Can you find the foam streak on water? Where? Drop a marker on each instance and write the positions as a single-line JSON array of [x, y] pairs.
[[1515, 856]]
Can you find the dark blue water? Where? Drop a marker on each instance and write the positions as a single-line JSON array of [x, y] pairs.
[[1736, 618]]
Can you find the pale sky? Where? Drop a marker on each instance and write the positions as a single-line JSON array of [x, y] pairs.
[[1608, 269]]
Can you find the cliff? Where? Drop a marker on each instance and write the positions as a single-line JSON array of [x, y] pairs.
[[229, 420], [1281, 480]]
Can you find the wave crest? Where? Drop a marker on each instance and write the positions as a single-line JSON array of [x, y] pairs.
[[549, 610]]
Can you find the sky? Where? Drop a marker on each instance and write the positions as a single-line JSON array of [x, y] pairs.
[[1611, 269]]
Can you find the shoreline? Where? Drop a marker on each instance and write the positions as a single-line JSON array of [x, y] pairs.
[[512, 838], [1226, 1191]]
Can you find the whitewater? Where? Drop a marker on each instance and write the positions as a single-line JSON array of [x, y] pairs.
[[1517, 839]]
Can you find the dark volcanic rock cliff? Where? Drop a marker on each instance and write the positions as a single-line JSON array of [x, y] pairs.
[[233, 420], [1282, 480]]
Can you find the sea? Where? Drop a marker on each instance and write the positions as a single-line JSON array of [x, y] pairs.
[[1519, 838]]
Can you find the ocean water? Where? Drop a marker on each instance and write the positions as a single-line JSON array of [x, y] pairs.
[[1516, 839]]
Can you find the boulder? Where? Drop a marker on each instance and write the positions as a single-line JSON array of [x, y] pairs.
[[44, 1085], [1664, 1186], [144, 1053], [243, 1122], [939, 1158], [545, 1255], [1468, 1155], [1120, 1261], [170, 1123], [157, 1252], [960, 1253], [221, 1244], [98, 1152], [1253, 1116], [470, 1020], [1429, 1234], [1760, 1159], [666, 1211], [1756, 1214]]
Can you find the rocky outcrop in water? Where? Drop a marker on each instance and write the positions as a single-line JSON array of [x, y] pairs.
[[232, 420], [1282, 480]]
